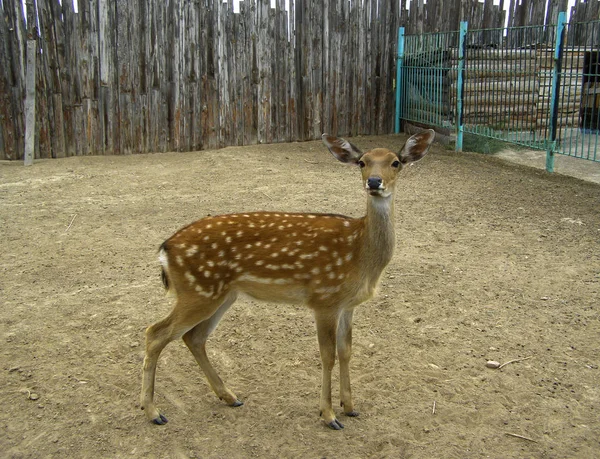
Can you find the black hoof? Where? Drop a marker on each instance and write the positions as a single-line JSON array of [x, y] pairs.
[[352, 414], [335, 425], [237, 403], [160, 420]]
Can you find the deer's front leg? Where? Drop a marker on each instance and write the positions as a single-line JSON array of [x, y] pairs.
[[326, 333], [344, 348]]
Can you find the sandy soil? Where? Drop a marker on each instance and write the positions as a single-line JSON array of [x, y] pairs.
[[494, 261]]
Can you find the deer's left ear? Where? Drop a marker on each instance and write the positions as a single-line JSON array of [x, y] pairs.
[[343, 150], [416, 146]]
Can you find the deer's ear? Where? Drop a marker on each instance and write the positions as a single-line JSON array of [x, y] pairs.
[[343, 150], [416, 146]]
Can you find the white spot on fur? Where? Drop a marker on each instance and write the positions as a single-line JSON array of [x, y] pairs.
[[262, 280], [202, 292], [190, 277], [193, 250]]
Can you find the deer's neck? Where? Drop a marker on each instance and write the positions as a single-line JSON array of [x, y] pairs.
[[379, 235]]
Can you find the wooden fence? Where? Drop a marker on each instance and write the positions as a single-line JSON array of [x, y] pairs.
[[129, 76]]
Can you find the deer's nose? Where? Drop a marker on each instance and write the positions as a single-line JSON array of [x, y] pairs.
[[374, 183]]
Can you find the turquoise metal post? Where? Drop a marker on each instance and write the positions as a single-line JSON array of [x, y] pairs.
[[459, 86], [399, 63], [556, 71]]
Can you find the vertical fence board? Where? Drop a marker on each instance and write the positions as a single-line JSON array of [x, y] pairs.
[[12, 113], [8, 123]]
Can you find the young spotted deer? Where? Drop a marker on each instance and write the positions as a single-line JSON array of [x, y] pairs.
[[332, 263]]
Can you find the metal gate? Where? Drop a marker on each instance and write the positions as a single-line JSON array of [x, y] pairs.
[[536, 86]]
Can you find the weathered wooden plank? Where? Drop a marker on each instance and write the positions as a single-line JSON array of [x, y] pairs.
[[263, 61], [9, 134], [492, 72], [30, 100], [223, 77], [12, 113], [293, 96], [108, 90], [246, 134], [516, 86]]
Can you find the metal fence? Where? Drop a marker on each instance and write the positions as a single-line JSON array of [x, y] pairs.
[[536, 86]]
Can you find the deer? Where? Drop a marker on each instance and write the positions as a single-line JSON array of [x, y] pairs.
[[331, 263]]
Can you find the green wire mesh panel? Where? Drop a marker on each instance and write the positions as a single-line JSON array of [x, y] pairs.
[[579, 97], [425, 85], [510, 79], [507, 84]]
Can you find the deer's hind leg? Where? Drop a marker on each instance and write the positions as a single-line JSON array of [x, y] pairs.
[[344, 349], [195, 340], [187, 313]]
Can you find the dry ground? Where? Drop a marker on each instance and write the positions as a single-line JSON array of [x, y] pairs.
[[493, 261]]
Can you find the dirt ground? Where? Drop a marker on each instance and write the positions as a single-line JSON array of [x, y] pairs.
[[494, 261]]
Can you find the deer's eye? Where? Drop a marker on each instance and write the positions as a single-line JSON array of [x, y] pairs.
[[361, 164], [396, 164]]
